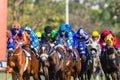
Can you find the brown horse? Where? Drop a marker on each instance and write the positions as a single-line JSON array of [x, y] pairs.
[[56, 65], [76, 65], [64, 69], [20, 66], [44, 51]]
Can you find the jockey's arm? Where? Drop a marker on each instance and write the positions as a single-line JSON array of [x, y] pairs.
[[87, 40], [24, 37]]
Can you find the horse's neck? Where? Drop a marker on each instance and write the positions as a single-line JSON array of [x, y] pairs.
[[18, 50]]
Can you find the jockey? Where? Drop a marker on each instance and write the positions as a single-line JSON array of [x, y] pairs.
[[71, 33], [21, 36], [95, 37], [104, 34], [81, 40], [65, 37], [48, 35], [39, 36], [33, 40]]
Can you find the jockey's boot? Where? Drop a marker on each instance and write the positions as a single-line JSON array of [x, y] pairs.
[[41, 68], [61, 57], [60, 64], [27, 54], [74, 56], [60, 54], [35, 50]]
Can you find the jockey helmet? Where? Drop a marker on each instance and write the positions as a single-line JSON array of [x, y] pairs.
[[16, 25], [80, 31], [95, 34], [62, 28], [28, 29], [68, 26], [105, 33], [38, 34], [48, 29]]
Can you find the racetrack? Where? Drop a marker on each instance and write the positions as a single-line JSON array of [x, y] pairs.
[[3, 77]]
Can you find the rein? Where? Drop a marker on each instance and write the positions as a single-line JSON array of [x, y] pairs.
[[18, 54]]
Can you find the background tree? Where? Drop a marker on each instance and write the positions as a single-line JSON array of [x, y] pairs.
[[89, 14]]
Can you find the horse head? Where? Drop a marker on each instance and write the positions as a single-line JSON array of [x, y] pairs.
[[95, 48], [44, 53]]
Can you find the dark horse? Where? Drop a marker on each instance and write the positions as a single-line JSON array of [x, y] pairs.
[[20, 66], [109, 64], [110, 60], [85, 67]]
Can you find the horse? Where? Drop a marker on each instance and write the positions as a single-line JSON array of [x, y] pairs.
[[20, 66], [85, 73], [109, 60], [44, 54], [57, 66], [95, 51], [76, 65]]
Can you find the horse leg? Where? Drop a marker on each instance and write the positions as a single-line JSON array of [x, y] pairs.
[[21, 73], [14, 76], [8, 69], [50, 74], [107, 76], [75, 76], [45, 70], [118, 74], [97, 76], [69, 76], [35, 76], [7, 75], [26, 77], [81, 76], [114, 76], [88, 74]]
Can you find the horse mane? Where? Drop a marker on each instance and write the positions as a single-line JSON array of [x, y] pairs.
[[17, 49]]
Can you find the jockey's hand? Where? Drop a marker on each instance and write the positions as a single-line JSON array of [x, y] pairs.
[[31, 46], [52, 44], [104, 43]]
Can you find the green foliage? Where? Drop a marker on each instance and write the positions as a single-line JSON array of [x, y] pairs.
[[40, 13]]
